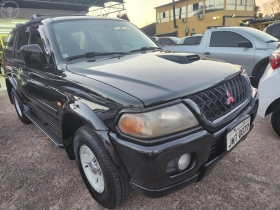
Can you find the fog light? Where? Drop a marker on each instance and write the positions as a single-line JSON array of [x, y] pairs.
[[184, 161]]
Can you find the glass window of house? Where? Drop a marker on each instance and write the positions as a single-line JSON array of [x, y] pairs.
[[250, 5], [179, 12], [195, 9], [214, 5], [230, 5], [163, 17], [240, 5]]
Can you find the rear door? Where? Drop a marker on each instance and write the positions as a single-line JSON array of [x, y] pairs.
[[223, 45]]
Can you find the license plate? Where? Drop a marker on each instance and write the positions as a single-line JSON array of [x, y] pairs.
[[237, 133]]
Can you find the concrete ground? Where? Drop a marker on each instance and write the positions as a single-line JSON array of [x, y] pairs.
[[35, 174]]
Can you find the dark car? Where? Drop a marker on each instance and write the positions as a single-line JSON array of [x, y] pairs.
[[131, 115], [162, 41], [273, 30]]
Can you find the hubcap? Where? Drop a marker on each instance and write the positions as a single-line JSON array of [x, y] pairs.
[[17, 106], [92, 169]]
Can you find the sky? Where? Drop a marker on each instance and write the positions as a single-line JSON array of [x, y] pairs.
[[142, 12]]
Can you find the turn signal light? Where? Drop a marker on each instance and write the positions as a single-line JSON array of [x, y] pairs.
[[274, 59]]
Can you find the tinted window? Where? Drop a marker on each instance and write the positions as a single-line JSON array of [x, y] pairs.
[[23, 37], [226, 39], [164, 41], [9, 46], [260, 35], [36, 60], [191, 41], [275, 31]]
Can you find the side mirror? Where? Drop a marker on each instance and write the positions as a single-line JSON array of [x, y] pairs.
[[245, 44], [33, 56]]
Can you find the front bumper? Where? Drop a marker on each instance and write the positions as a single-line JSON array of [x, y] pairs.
[[146, 165]]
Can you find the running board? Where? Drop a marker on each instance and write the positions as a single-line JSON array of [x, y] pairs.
[[55, 139]]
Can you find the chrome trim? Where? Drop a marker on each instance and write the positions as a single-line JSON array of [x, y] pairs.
[[231, 112]]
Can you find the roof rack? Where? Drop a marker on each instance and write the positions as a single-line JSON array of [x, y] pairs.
[[35, 16], [209, 27]]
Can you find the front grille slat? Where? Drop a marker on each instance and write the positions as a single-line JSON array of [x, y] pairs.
[[213, 102]]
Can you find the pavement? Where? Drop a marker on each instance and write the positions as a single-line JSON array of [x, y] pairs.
[[35, 174]]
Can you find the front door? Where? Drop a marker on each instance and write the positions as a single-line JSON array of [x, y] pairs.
[[40, 82], [224, 46]]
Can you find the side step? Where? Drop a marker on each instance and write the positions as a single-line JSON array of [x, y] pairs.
[[55, 139]]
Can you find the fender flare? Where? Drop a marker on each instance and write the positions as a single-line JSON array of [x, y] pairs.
[[85, 113]]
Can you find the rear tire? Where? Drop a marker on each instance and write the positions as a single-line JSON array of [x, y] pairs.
[[95, 166], [275, 119], [19, 108]]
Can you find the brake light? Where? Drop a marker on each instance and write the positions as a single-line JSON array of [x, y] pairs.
[[274, 60]]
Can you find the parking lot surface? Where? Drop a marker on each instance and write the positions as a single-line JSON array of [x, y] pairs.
[[35, 174]]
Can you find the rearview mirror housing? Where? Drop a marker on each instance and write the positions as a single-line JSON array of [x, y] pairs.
[[33, 56]]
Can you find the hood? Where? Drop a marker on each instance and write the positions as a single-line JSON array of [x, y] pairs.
[[273, 45], [156, 77]]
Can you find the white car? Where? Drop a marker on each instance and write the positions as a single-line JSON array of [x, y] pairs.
[[269, 91]]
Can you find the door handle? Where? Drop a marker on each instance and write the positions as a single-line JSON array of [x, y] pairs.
[[207, 53]]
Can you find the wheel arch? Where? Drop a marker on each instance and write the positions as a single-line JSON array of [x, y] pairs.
[[258, 65], [272, 106]]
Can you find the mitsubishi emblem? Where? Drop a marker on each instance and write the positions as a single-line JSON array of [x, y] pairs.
[[230, 98]]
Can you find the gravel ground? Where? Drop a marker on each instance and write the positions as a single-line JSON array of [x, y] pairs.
[[35, 174]]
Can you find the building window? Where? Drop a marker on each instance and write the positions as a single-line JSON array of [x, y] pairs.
[[195, 9], [240, 5], [213, 5], [179, 12], [250, 5], [163, 17], [230, 5]]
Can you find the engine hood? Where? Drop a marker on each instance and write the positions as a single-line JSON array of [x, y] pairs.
[[156, 77]]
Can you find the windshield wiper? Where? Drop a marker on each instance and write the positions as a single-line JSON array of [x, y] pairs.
[[146, 48], [93, 54], [270, 41]]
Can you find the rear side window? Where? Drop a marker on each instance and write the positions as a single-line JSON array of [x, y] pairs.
[[8, 53], [226, 39], [23, 37], [192, 40], [275, 31]]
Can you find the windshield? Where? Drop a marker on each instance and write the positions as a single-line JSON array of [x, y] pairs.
[[175, 39], [78, 37], [260, 35]]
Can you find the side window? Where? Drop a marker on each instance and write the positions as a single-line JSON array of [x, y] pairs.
[[275, 31], [23, 37], [8, 53], [164, 41], [226, 39], [191, 41], [35, 38]]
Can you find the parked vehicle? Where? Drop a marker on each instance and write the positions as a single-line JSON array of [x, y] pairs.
[[140, 118], [163, 41], [191, 40], [269, 87], [273, 29], [245, 46]]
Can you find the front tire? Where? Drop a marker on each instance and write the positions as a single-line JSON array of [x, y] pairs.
[[97, 170], [19, 108], [275, 119]]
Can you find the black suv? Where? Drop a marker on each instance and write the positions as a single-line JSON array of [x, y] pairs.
[[131, 115]]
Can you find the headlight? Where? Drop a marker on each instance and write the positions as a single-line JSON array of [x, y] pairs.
[[158, 122]]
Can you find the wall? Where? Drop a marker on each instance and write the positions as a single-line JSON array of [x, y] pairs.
[[199, 26]]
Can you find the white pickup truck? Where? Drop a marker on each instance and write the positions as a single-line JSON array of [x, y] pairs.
[[244, 46]]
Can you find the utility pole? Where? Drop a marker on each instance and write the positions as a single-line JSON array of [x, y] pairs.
[[174, 16]]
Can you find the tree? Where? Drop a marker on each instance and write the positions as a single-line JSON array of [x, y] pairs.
[[123, 16], [257, 9]]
